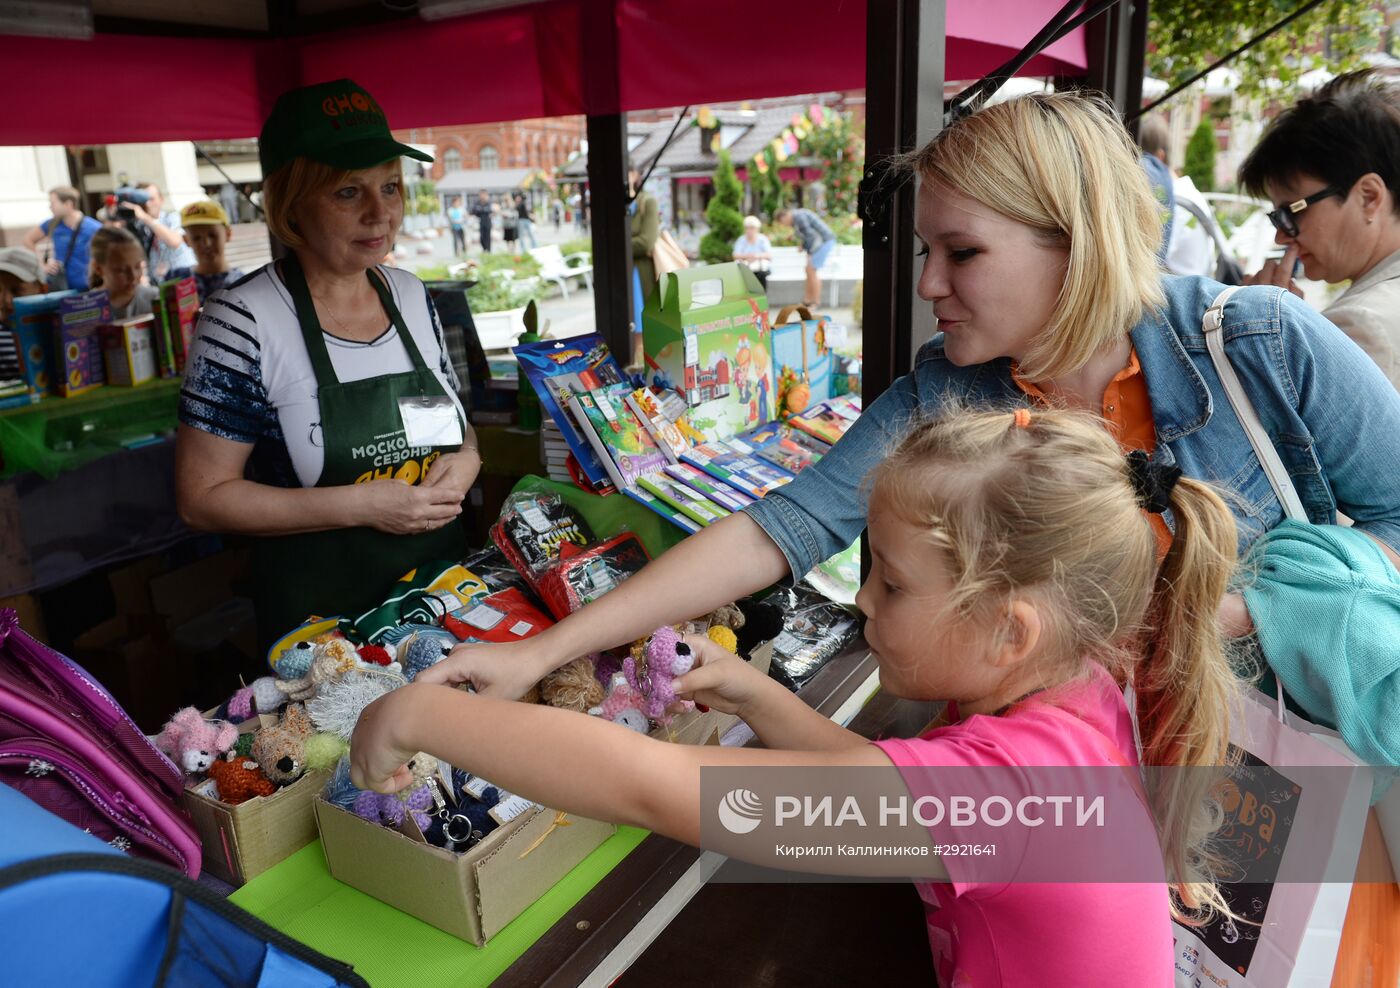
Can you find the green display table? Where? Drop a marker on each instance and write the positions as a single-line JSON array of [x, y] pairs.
[[390, 948], [59, 434]]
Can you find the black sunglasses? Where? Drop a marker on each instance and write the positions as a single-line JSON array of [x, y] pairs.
[[1285, 218]]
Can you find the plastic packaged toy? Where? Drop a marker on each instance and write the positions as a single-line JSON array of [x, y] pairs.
[[582, 576], [532, 530]]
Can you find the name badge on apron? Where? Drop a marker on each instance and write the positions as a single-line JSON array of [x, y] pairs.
[[430, 420]]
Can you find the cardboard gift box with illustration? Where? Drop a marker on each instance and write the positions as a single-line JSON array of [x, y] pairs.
[[705, 331]]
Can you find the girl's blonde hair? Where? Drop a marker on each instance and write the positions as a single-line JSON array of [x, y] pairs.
[[1062, 164], [1043, 508], [297, 180], [102, 243]]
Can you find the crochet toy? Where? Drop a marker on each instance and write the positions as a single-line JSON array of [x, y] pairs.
[[244, 745], [624, 706], [322, 751], [572, 686], [724, 622], [194, 743], [337, 707], [333, 659], [295, 660], [376, 655], [421, 650], [340, 791], [280, 750], [666, 657], [462, 826], [262, 697], [239, 780], [416, 800]]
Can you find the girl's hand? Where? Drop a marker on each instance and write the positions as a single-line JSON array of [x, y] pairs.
[[1233, 617], [454, 471], [720, 679], [1278, 273], [378, 758], [395, 507], [506, 670]]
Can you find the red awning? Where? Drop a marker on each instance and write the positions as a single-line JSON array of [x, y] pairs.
[[503, 65]]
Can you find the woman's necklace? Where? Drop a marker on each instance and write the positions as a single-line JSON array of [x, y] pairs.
[[345, 330]]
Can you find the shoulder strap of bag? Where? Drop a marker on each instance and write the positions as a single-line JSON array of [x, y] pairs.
[[1274, 469]]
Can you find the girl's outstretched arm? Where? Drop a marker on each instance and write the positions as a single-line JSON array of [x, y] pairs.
[[559, 758]]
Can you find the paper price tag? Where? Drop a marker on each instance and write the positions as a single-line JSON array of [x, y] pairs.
[[692, 349], [483, 616], [509, 808], [522, 628]]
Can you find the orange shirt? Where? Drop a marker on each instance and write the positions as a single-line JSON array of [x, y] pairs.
[[1127, 411]]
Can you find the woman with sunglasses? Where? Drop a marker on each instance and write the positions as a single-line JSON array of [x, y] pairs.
[[1331, 166]]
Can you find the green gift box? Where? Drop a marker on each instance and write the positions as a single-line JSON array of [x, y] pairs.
[[705, 332]]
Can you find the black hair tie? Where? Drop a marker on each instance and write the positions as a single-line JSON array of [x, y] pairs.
[[1152, 481]]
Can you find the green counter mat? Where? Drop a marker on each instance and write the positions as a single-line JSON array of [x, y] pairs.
[[390, 948], [60, 434]]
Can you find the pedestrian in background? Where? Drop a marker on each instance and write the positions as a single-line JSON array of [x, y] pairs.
[[817, 240]]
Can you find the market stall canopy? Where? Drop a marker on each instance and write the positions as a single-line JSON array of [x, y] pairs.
[[526, 60], [475, 179]]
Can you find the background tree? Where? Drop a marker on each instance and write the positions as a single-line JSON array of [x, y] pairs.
[[1184, 36], [1200, 156], [840, 150], [726, 222]]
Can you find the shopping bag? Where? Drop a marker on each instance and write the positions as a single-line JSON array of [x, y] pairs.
[[667, 255], [1295, 810]]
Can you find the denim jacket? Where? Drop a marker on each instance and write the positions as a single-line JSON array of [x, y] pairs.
[[1332, 414]]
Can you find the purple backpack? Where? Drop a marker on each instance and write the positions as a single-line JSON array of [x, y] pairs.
[[67, 745]]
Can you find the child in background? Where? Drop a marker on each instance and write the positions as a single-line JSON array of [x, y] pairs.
[[1016, 574], [119, 265], [207, 230]]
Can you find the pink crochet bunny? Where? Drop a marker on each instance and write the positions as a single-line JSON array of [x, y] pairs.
[[194, 743], [667, 657], [624, 705]]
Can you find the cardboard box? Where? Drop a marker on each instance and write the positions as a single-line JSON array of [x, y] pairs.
[[33, 332], [717, 356], [243, 841], [175, 317], [77, 345], [472, 895], [800, 356], [128, 351]]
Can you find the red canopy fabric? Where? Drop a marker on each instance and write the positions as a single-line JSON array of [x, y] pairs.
[[530, 61], [116, 90]]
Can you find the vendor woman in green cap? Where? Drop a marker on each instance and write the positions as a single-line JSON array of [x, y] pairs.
[[320, 411]]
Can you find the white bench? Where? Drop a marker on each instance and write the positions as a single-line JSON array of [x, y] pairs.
[[555, 267], [846, 264]]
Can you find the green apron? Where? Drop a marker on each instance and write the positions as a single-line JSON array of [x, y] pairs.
[[347, 571]]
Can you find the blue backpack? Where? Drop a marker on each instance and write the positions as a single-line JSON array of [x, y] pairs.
[[76, 911]]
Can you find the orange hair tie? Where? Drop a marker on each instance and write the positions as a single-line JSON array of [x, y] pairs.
[[1021, 419]]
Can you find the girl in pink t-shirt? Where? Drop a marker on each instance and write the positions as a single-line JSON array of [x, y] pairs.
[[1015, 574]]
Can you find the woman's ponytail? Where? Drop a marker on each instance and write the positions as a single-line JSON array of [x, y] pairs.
[[1186, 692]]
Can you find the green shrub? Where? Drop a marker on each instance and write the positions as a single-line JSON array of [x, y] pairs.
[[1200, 156], [581, 245], [723, 215]]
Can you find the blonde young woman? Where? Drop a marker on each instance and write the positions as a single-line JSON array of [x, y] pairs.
[[1039, 238], [320, 409]]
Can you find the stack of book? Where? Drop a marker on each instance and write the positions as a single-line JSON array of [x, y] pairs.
[[554, 452], [638, 441]]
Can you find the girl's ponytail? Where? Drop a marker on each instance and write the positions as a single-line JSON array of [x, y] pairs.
[[1186, 692]]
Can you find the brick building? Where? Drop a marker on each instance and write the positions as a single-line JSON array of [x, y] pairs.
[[536, 144]]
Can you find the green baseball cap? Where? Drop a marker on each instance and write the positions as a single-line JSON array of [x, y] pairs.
[[336, 123]]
